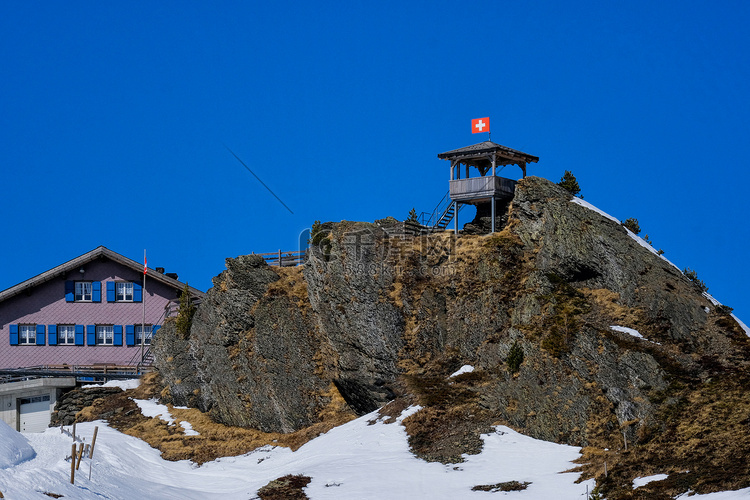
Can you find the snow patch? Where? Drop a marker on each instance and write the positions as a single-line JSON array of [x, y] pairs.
[[717, 303], [189, 431], [642, 481], [635, 237], [742, 325], [463, 369], [14, 447], [131, 383], [150, 408], [631, 331], [588, 205]]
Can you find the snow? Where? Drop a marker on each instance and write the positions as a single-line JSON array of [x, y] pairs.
[[634, 236], [642, 481], [588, 205], [739, 322], [463, 369], [150, 408], [630, 331], [14, 448], [360, 460], [131, 383]]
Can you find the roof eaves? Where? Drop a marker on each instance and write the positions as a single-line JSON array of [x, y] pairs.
[[84, 259]]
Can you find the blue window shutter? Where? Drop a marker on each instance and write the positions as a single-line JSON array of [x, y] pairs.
[[137, 293], [118, 335], [52, 334], [40, 331], [96, 291], [154, 329], [130, 334], [79, 334], [13, 334], [90, 334], [110, 291], [70, 288]]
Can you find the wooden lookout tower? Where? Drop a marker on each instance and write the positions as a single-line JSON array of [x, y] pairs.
[[486, 157]]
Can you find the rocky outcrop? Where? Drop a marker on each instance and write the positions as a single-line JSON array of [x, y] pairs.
[[72, 402], [375, 314]]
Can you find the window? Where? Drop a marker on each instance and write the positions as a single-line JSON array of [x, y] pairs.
[[139, 332], [27, 334], [124, 292], [105, 335], [66, 334], [83, 291], [33, 399]]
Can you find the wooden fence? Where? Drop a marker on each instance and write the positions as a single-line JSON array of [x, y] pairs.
[[284, 259]]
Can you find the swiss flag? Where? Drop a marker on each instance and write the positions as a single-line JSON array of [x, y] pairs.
[[480, 125], [145, 269]]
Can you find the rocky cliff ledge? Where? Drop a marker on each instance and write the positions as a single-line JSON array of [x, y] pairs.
[[577, 333]]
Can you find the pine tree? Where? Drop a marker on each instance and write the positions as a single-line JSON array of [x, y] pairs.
[[633, 225], [412, 216], [569, 182], [184, 314]]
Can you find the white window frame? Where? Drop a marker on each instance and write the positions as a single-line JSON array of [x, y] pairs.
[[124, 291], [26, 334], [81, 290], [66, 334], [149, 334], [105, 335]]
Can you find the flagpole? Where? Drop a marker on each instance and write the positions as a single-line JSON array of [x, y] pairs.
[[143, 299]]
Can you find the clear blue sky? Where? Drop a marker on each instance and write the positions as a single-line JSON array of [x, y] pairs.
[[114, 116]]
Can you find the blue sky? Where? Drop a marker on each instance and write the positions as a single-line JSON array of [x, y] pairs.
[[113, 121]]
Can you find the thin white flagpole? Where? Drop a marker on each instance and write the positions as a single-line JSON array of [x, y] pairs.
[[143, 299]]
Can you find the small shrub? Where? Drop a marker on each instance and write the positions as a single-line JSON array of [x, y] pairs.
[[412, 216], [632, 224], [506, 486], [724, 310], [185, 314], [660, 252], [515, 358], [693, 276], [595, 495], [569, 183]]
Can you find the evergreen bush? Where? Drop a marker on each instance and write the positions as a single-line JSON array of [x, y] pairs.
[[185, 314], [515, 358], [632, 224], [569, 183], [693, 276]]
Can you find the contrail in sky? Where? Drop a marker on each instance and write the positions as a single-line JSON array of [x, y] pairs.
[[264, 184]]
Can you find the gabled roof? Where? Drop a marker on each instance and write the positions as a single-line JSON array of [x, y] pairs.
[[480, 152], [94, 254]]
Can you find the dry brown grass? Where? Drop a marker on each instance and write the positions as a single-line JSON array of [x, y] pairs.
[[214, 440], [291, 284]]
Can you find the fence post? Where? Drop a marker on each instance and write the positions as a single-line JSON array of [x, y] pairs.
[[74, 432], [280, 257], [73, 465], [80, 455], [93, 442]]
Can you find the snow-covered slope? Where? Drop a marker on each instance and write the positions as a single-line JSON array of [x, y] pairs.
[[14, 448], [361, 459]]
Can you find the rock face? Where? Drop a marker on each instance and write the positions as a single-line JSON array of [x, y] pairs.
[[70, 403], [374, 315]]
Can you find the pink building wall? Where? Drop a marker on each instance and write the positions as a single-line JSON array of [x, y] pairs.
[[45, 305]]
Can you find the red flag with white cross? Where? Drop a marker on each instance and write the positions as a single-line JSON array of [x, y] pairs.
[[480, 125]]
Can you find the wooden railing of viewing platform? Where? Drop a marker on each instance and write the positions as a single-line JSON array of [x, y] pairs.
[[477, 188]]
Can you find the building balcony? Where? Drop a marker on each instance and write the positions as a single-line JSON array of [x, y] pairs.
[[481, 188]]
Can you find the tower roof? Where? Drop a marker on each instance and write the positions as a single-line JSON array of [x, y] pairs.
[[478, 155]]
